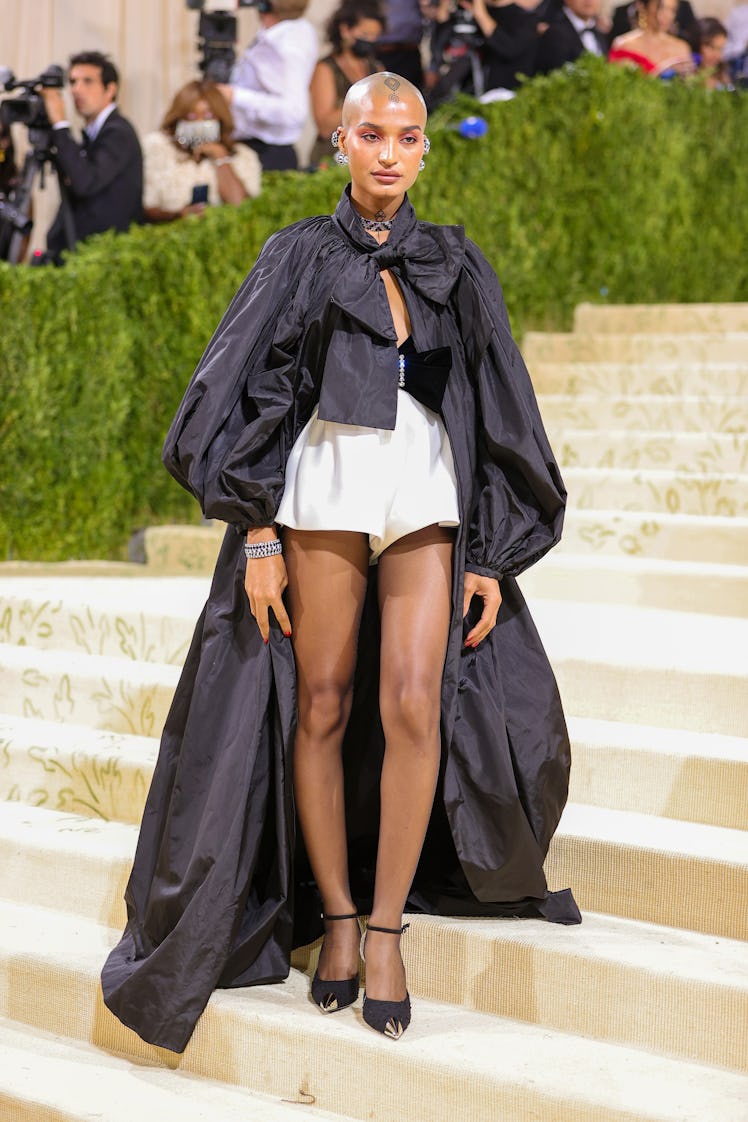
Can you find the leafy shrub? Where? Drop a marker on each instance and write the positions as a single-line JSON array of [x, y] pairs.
[[594, 184]]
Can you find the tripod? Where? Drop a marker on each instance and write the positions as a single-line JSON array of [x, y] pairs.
[[15, 212]]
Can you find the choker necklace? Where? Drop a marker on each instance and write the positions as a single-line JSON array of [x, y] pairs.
[[376, 225]]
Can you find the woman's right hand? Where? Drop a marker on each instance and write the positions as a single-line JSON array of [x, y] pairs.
[[265, 581]]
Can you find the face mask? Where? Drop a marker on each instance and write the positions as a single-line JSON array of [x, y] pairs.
[[191, 134], [363, 48]]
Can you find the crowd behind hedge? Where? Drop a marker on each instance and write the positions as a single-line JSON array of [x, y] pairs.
[[597, 184]]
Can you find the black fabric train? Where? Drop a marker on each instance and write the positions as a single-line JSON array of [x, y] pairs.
[[220, 890]]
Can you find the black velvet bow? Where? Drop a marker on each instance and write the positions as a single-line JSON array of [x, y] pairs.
[[425, 373]]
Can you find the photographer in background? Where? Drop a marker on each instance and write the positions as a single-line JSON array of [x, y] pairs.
[[269, 90], [104, 174], [478, 47], [8, 183]]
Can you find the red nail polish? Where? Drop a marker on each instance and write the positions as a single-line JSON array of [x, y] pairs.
[[266, 641], [287, 634]]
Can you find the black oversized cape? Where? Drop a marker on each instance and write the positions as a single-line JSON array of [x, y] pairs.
[[220, 890]]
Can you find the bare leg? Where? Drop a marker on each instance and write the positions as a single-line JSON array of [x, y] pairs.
[[327, 576], [415, 605]]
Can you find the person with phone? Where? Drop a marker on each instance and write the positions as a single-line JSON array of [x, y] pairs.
[[191, 162]]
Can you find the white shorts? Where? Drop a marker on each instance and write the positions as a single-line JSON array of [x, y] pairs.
[[381, 482]]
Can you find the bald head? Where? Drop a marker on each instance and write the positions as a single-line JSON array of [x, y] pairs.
[[379, 90]]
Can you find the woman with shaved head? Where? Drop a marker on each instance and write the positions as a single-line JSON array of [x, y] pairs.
[[365, 667]]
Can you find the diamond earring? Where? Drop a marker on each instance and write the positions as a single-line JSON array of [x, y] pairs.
[[426, 150], [341, 158], [335, 138]]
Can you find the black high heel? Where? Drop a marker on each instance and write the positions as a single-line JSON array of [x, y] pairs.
[[332, 995], [391, 1018]]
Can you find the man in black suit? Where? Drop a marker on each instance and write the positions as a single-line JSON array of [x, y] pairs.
[[572, 30], [103, 176]]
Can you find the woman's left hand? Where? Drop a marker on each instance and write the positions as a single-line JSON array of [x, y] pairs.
[[213, 150], [488, 590]]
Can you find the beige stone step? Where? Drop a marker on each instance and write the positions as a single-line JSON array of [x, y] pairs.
[[685, 318], [670, 492], [669, 378], [669, 537], [644, 412], [648, 666], [511, 968], [691, 776], [75, 768], [183, 549], [697, 777], [610, 857], [106, 693], [145, 620], [48, 1078], [452, 1062], [658, 870], [707, 452], [69, 862], [614, 662], [650, 348], [684, 586]]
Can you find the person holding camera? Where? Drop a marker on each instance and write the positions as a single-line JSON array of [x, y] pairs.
[[477, 47], [269, 90], [192, 162], [104, 174]]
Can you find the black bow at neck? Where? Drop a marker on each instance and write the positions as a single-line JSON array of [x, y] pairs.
[[359, 383], [426, 257]]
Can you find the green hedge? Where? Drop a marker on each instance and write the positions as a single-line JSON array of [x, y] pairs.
[[594, 184]]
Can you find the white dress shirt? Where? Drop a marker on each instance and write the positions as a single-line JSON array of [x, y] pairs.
[[271, 82], [93, 130], [585, 29], [737, 32]]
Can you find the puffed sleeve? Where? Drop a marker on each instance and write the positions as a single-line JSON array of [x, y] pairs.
[[519, 496], [226, 444]]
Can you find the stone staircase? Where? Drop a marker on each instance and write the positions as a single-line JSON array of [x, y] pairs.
[[640, 1014]]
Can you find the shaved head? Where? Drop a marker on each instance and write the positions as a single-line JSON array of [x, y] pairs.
[[376, 88]]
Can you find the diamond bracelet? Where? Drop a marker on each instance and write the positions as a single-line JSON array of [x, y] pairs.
[[262, 549]]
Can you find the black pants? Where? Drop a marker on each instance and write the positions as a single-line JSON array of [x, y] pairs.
[[273, 157], [404, 60]]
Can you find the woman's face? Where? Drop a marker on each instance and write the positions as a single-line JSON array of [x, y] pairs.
[[367, 30], [711, 52], [383, 137], [661, 15]]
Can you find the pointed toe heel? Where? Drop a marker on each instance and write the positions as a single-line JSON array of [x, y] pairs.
[[331, 995], [391, 1018]]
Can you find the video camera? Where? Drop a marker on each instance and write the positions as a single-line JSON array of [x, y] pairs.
[[216, 38], [28, 108]]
